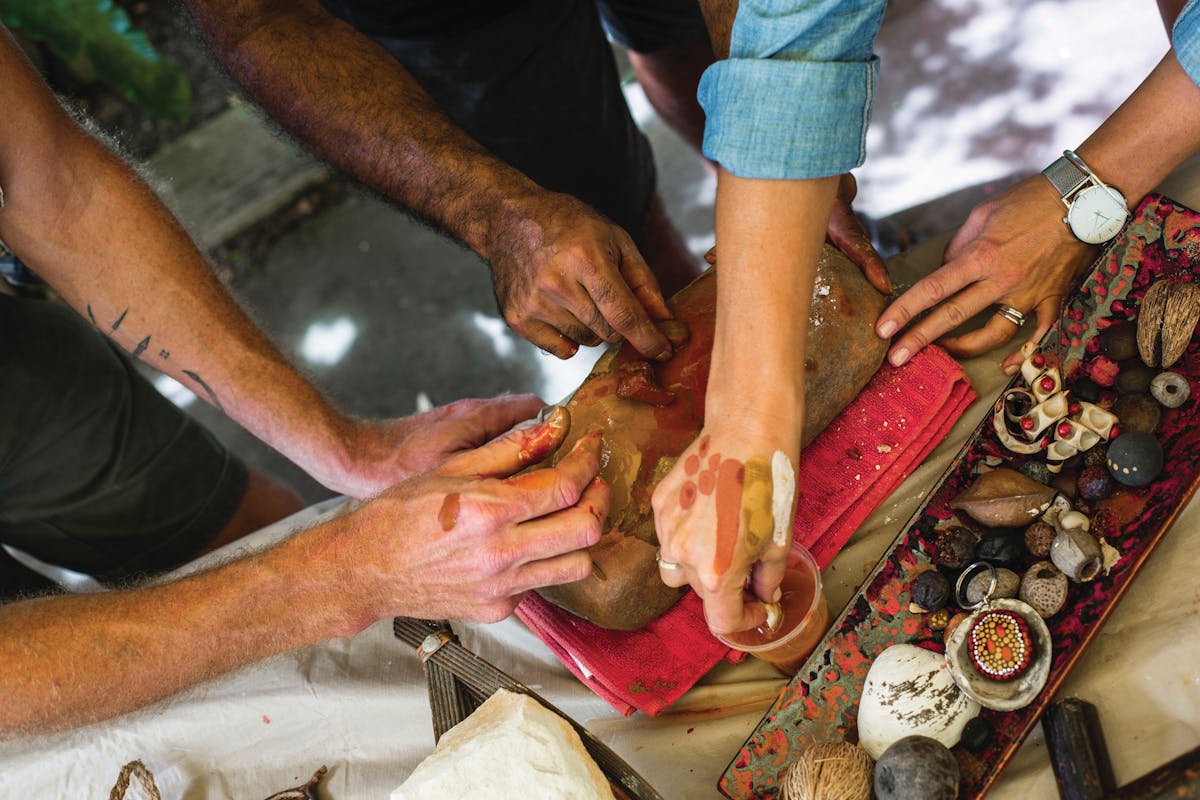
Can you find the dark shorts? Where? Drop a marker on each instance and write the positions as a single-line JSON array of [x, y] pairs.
[[99, 473], [538, 86]]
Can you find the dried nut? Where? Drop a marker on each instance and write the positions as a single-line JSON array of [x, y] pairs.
[[931, 590], [1095, 483], [954, 547], [1077, 553], [917, 768], [1135, 459], [1150, 319], [1179, 321], [1096, 456], [1008, 584], [1169, 388], [1138, 413], [1166, 320], [1044, 588], [1004, 498], [1038, 538]]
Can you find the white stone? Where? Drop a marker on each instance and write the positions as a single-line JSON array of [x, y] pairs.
[[909, 692], [510, 748]]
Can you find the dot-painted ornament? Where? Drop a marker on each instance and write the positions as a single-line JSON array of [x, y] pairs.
[[1000, 644]]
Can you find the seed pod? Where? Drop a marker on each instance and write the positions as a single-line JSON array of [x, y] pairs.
[[1004, 498], [1044, 588], [1150, 319], [1179, 320], [1095, 483], [1038, 538], [954, 547], [931, 590]]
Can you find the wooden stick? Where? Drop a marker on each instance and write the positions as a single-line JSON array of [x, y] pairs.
[[1073, 753], [1178, 779]]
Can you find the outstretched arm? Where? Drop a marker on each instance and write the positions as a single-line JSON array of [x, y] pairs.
[[85, 222], [564, 275], [1016, 250], [464, 541], [787, 116]]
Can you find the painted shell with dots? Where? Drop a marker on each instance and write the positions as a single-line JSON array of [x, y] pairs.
[[1000, 645], [1013, 671]]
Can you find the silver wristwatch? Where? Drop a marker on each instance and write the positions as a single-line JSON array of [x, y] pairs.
[[1096, 212]]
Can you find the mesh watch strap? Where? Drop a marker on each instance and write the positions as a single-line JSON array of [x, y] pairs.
[[1065, 176]]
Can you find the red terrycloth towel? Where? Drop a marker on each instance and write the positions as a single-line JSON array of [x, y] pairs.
[[864, 454]]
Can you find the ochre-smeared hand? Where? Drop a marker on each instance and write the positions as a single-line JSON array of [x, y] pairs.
[[847, 234], [470, 538], [717, 514], [565, 276], [385, 452], [1014, 250]]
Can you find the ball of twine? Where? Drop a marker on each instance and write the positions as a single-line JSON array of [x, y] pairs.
[[830, 771]]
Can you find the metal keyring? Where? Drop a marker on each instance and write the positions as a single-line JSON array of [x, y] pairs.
[[965, 575]]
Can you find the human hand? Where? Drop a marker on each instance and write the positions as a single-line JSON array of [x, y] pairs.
[[724, 513], [469, 539], [1014, 250], [565, 276], [847, 234], [381, 453]]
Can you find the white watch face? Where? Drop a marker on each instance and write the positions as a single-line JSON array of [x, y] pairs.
[[1097, 214]]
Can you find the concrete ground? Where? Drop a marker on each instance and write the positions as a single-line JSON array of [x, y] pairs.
[[387, 316]]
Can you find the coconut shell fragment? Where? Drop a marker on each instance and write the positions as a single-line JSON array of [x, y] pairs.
[[1004, 498]]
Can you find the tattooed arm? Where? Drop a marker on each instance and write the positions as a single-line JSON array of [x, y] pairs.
[[84, 221], [477, 541]]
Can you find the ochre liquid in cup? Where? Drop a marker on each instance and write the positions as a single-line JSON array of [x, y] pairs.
[[803, 624]]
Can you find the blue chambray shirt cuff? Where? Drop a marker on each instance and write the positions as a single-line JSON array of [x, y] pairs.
[[1185, 38], [787, 119]]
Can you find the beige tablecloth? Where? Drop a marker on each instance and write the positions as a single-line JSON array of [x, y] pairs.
[[359, 705]]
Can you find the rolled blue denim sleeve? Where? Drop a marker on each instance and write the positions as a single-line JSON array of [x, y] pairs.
[[793, 99], [1185, 38]]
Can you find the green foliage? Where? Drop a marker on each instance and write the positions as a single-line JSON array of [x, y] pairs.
[[97, 39]]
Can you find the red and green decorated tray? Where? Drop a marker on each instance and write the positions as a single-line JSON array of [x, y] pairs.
[[820, 704]]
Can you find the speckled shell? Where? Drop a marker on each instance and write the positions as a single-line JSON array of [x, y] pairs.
[[910, 692], [994, 694]]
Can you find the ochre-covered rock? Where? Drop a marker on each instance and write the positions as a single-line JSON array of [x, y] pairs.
[[649, 413]]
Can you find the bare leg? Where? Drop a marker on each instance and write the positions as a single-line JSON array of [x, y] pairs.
[[265, 501]]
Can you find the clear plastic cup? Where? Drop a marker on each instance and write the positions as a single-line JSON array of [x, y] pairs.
[[805, 619]]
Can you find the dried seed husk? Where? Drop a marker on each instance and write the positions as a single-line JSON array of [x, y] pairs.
[[1004, 498], [1150, 320], [1179, 321]]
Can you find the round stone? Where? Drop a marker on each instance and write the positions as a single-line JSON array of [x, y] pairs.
[[1171, 389], [1000, 644], [1137, 412], [1002, 549], [1038, 470], [1119, 342], [1134, 378], [976, 733], [916, 768], [1135, 458], [1008, 584], [1086, 389]]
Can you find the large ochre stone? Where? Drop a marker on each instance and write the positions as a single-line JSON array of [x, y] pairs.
[[641, 441]]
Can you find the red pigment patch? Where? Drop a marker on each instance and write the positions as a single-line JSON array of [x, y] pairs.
[[708, 481], [714, 460], [729, 512], [703, 446], [448, 516], [687, 496], [691, 464]]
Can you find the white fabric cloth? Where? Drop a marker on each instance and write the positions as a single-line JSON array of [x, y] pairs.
[[359, 705]]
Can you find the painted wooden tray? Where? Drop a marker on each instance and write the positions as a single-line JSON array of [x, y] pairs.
[[821, 702]]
